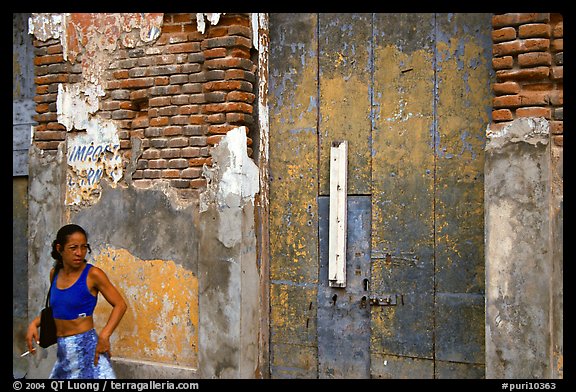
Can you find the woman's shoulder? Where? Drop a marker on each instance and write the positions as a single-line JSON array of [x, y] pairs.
[[53, 272], [92, 269], [96, 276]]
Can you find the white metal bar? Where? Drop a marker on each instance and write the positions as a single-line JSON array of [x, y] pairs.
[[338, 214]]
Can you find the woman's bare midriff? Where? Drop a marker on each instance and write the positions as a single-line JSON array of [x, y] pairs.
[[73, 327]]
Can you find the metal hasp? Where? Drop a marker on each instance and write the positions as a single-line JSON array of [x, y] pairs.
[[338, 214], [387, 300]]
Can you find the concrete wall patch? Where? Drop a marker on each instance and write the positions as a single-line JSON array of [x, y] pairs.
[[232, 182]]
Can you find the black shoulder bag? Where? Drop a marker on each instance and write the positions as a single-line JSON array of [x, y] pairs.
[[47, 324]]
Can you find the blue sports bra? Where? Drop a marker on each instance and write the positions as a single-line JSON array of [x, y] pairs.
[[75, 301]]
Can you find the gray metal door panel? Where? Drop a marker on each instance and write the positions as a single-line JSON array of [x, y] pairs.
[[344, 313], [410, 94]]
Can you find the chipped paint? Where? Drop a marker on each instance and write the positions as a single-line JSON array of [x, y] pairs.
[[293, 97], [401, 151], [93, 143], [261, 41], [529, 130], [98, 35], [233, 181], [463, 86], [161, 323], [46, 26], [293, 88], [201, 17]]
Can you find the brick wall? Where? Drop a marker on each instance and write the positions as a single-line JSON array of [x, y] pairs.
[[183, 92], [528, 54], [179, 96]]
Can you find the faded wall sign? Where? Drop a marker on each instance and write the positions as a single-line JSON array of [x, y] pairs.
[[90, 159], [94, 160], [93, 146]]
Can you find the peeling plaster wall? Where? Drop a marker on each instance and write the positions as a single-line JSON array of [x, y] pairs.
[[46, 211], [228, 275], [523, 229], [161, 324], [93, 144], [192, 291], [148, 244], [232, 183]]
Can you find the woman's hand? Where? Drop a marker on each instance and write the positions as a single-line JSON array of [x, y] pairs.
[[32, 335], [103, 346]]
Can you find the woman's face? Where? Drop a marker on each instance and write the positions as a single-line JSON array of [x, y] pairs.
[[74, 251]]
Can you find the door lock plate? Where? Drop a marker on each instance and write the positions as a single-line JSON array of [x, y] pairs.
[[387, 300]]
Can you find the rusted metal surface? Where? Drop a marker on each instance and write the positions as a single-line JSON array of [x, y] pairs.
[[463, 110], [293, 144], [344, 313], [403, 184], [344, 98], [464, 102], [293, 85], [420, 85]]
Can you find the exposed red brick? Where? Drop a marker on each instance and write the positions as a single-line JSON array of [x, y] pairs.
[[159, 121], [195, 162], [50, 79], [506, 88], [49, 59], [557, 45], [534, 98], [157, 164], [198, 183], [192, 172], [514, 19], [532, 30], [558, 30], [557, 73], [558, 140], [502, 115], [557, 97], [534, 59], [506, 62], [506, 101], [170, 173], [534, 112], [536, 74]]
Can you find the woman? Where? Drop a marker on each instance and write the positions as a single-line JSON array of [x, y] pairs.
[[81, 352]]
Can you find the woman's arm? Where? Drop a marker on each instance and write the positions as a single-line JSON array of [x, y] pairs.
[[112, 295], [32, 332]]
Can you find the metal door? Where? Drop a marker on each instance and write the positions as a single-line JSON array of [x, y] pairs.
[[411, 93]]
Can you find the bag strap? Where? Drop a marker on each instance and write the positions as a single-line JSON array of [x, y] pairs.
[[51, 283]]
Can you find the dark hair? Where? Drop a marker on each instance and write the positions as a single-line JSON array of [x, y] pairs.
[[62, 238]]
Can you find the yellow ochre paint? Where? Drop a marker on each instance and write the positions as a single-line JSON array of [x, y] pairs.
[[161, 323]]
